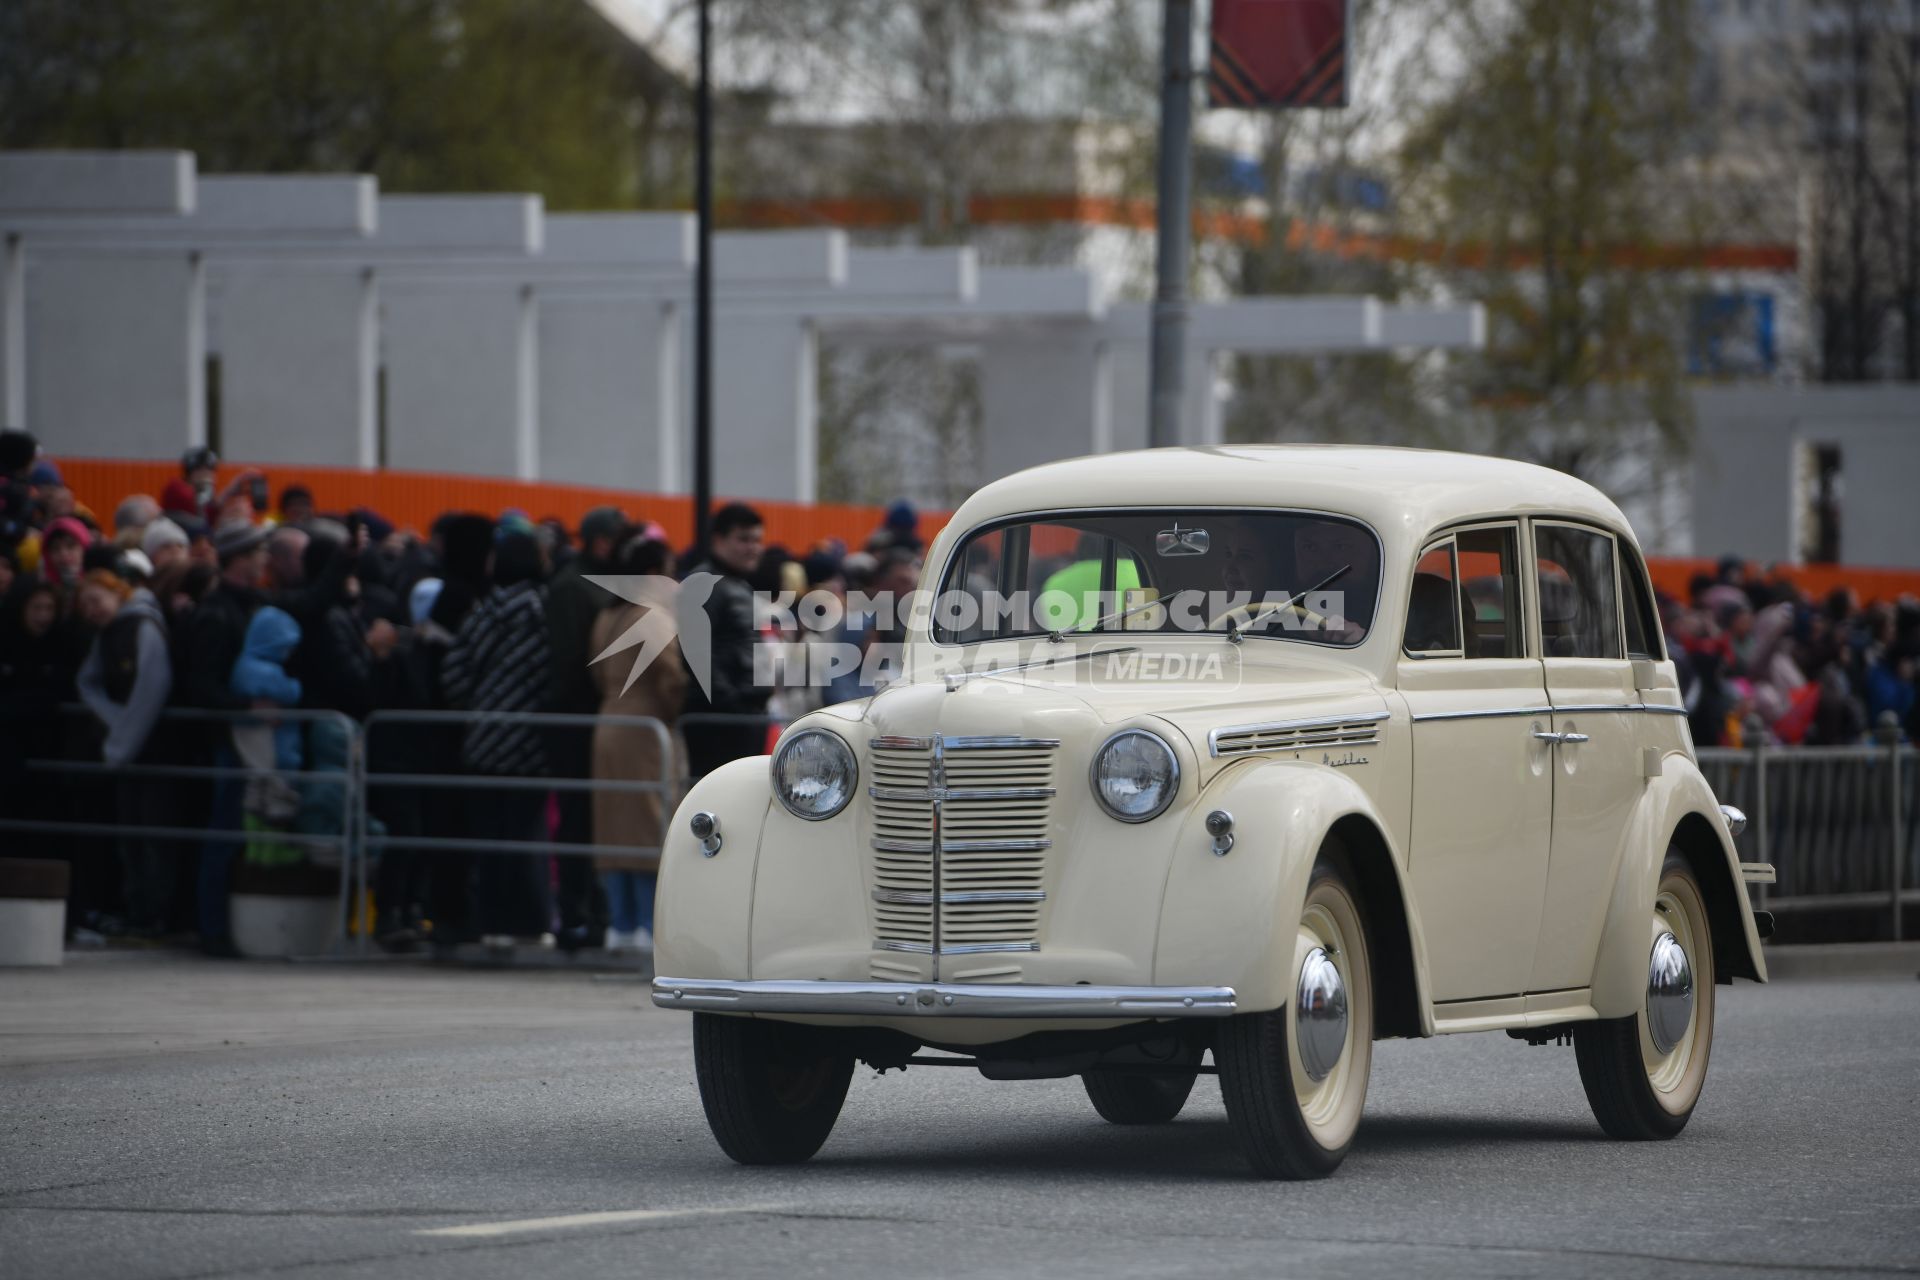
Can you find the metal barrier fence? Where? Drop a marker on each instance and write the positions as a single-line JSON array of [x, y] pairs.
[[357, 842], [1836, 822], [335, 843]]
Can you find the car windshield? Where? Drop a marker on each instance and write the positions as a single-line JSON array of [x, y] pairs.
[[1278, 575]]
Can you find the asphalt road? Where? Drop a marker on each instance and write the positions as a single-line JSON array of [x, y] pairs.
[[162, 1117]]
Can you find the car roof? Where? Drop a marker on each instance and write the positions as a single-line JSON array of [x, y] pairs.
[[1403, 493]]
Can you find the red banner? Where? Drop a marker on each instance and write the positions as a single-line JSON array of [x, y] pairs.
[[1278, 53]]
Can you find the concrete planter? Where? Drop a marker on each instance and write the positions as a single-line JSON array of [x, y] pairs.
[[280, 912], [33, 911]]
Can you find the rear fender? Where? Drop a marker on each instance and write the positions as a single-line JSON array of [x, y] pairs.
[[1677, 810]]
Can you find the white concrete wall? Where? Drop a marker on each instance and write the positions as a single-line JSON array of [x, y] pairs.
[[13, 332], [298, 363], [116, 353], [1043, 396], [765, 411], [462, 373], [609, 391], [1744, 456]]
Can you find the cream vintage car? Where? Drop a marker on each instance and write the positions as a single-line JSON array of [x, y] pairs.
[[1304, 747]]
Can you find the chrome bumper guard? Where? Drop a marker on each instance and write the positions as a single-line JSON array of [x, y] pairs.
[[943, 999]]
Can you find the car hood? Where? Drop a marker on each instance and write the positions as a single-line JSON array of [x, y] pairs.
[[1068, 702]]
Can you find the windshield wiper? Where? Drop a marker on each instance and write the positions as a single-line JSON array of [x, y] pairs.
[[957, 678], [1234, 629], [1117, 616]]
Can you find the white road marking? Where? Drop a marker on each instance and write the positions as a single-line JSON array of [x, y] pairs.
[[611, 1217]]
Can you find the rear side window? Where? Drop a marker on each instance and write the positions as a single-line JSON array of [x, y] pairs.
[[1643, 625], [1579, 610]]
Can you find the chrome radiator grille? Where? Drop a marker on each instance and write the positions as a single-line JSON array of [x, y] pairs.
[[960, 840]]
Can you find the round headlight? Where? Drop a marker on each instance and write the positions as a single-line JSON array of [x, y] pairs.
[[1135, 775], [814, 774]]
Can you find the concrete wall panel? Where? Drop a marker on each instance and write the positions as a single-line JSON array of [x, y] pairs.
[[298, 358], [115, 355], [461, 367], [609, 392]]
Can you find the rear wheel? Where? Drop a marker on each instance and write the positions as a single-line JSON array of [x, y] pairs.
[[771, 1090], [1138, 1097], [1295, 1078], [1643, 1073]]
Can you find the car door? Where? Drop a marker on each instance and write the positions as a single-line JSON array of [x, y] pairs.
[[1597, 764], [1482, 791]]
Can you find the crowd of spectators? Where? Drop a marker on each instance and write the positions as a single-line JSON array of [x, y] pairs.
[[1761, 659], [292, 622]]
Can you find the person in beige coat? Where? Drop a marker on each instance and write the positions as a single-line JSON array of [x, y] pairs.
[[632, 753]]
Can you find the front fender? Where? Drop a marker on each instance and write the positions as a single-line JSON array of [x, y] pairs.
[[1231, 920], [703, 913], [1679, 797]]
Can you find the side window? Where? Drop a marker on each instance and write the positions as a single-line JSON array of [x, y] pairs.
[[1490, 578], [1433, 607], [1643, 625], [1579, 613]]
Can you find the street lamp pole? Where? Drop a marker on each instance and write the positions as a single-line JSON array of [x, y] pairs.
[[703, 293], [1174, 226]]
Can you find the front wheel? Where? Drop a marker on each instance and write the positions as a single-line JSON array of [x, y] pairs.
[[771, 1090], [1643, 1072], [1295, 1078]]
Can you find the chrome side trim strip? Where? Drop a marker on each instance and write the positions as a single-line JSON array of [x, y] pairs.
[[944, 1000], [995, 846], [906, 897], [1489, 714], [890, 742], [1584, 708]]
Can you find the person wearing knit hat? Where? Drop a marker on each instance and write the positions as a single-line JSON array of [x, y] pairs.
[[235, 539], [136, 511], [164, 542], [63, 551]]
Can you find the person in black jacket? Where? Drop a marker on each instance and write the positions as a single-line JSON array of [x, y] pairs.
[[499, 662], [125, 682], [216, 633], [739, 540], [573, 603]]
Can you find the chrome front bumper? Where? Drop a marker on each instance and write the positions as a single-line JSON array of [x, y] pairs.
[[943, 999]]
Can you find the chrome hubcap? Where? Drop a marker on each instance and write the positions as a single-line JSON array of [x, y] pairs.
[[1669, 993], [1320, 1015]]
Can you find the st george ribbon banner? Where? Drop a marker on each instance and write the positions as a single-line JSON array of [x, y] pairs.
[[1278, 53]]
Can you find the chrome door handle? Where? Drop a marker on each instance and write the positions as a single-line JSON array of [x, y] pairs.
[[1573, 739], [1570, 739]]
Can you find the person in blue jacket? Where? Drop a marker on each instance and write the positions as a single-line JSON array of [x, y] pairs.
[[260, 676]]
